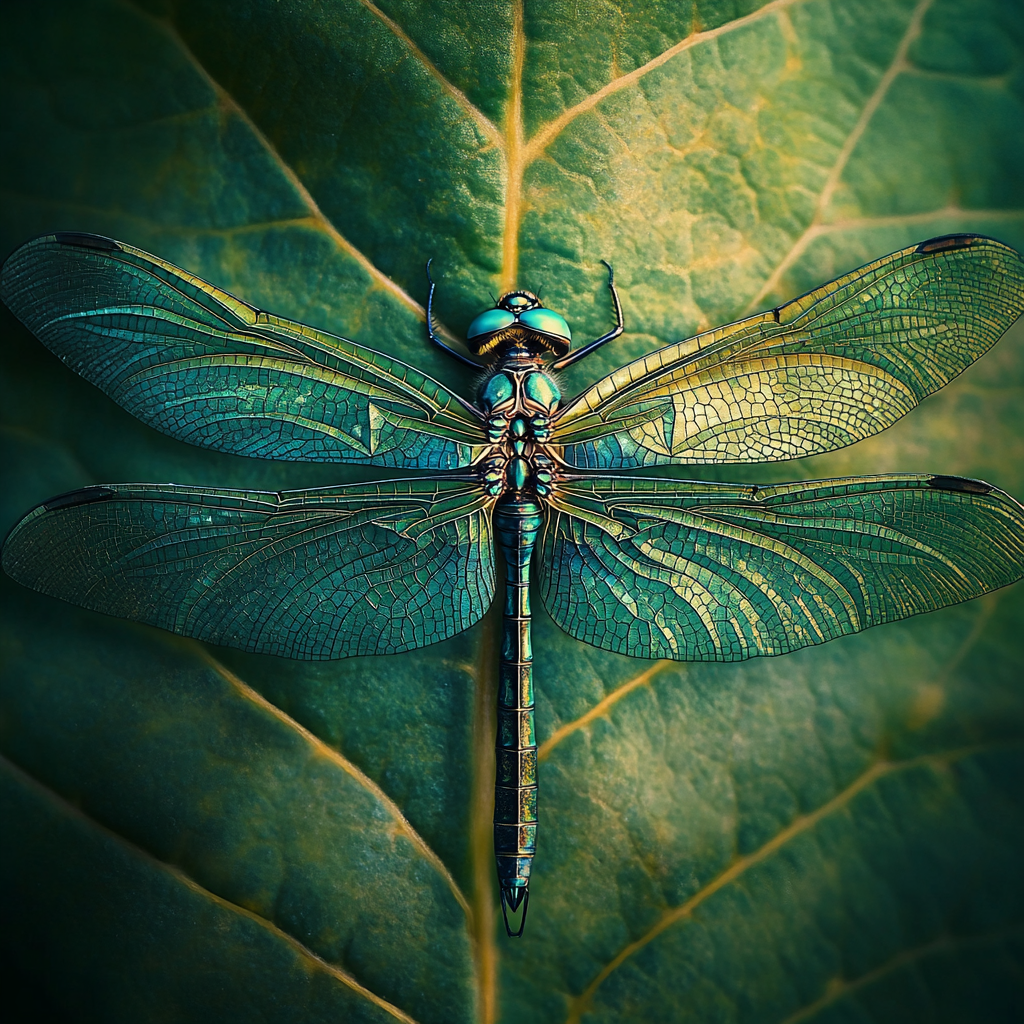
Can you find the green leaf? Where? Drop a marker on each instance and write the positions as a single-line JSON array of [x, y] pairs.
[[194, 834]]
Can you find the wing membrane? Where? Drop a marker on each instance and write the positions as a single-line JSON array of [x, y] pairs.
[[829, 368], [316, 574], [722, 572], [207, 368]]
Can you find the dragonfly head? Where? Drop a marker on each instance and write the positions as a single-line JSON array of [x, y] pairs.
[[519, 322]]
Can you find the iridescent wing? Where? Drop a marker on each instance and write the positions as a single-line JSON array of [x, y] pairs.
[[316, 574], [722, 572], [829, 368], [207, 368]]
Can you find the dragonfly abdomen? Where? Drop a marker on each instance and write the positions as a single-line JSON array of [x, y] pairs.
[[517, 521]]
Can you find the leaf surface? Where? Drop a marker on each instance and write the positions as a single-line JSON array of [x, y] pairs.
[[199, 834]]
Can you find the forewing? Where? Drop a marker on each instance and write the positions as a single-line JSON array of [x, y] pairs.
[[207, 368], [317, 574], [722, 572], [829, 368]]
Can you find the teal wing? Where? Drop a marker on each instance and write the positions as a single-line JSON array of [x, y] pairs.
[[316, 574], [723, 572], [823, 371], [199, 364]]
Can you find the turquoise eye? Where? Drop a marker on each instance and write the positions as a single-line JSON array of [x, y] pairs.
[[489, 321], [547, 322]]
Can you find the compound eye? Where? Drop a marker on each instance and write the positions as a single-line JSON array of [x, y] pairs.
[[488, 322], [547, 321]]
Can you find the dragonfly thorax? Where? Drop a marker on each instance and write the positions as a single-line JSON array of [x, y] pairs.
[[519, 404]]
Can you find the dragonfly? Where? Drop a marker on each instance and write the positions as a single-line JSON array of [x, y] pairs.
[[651, 567]]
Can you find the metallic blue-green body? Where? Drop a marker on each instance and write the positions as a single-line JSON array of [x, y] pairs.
[[517, 521], [519, 400]]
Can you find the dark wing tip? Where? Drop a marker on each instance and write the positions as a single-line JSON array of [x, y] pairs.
[[82, 496], [960, 483], [959, 241], [85, 240]]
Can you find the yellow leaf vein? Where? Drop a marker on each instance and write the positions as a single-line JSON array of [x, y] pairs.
[[346, 766], [515, 154], [333, 970], [897, 66], [841, 988], [602, 707], [481, 815], [741, 865], [544, 136], [484, 123], [229, 103]]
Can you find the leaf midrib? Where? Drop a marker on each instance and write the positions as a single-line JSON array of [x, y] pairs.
[[517, 153]]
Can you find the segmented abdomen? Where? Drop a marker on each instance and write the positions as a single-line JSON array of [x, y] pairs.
[[517, 522]]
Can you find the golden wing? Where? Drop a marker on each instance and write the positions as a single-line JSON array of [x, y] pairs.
[[829, 368]]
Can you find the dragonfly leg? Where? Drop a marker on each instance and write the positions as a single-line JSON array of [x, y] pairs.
[[430, 326], [575, 357]]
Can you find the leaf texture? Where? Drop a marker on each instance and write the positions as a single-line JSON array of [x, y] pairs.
[[202, 834]]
